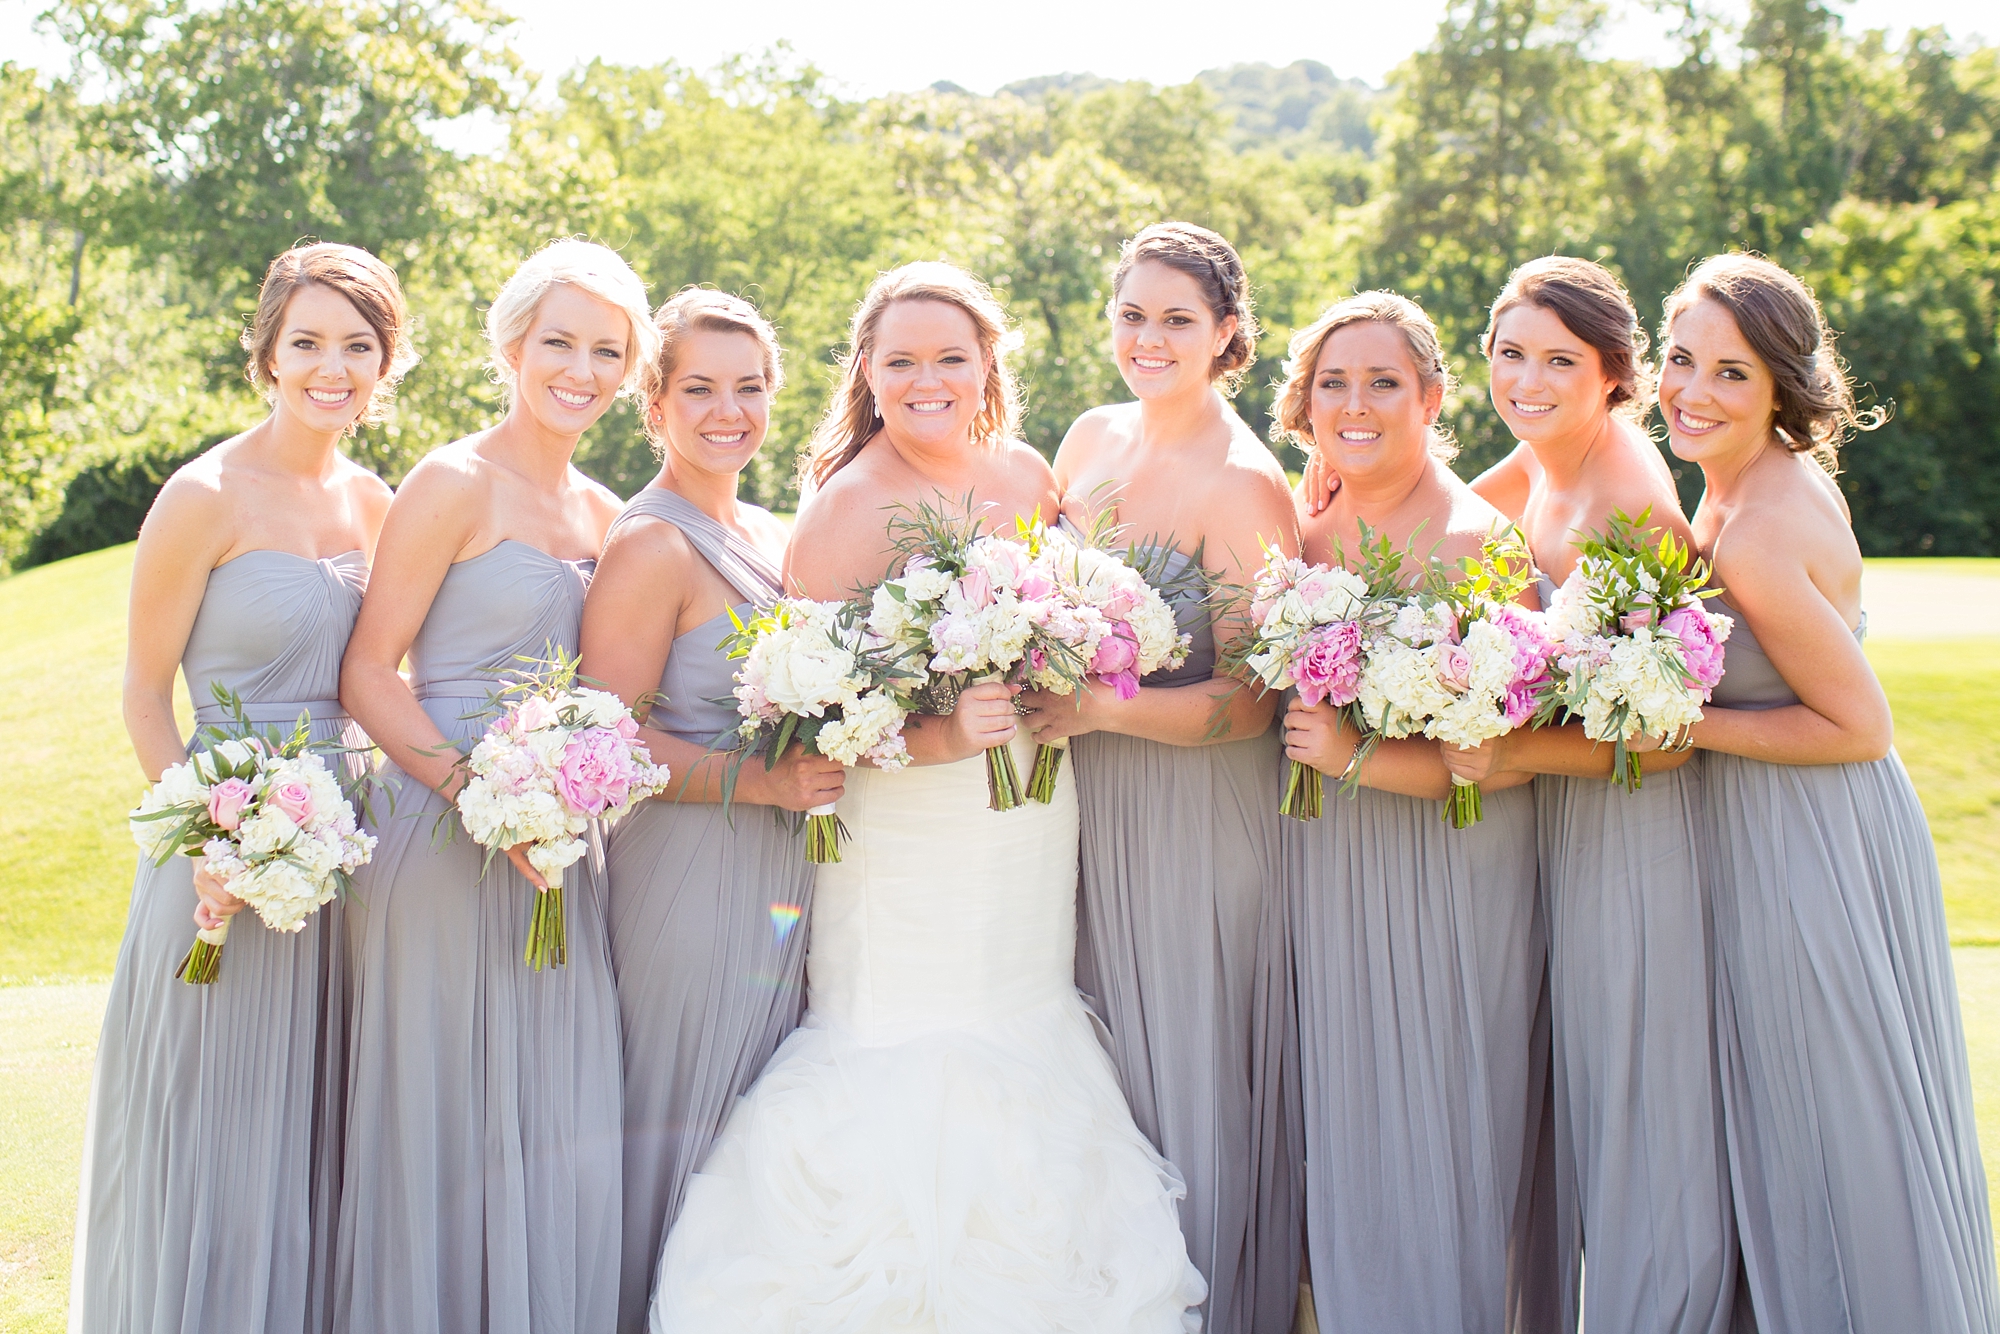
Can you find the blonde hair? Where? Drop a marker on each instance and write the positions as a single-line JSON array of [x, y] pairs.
[[703, 309], [851, 414], [1217, 269], [367, 283], [1291, 414], [587, 266]]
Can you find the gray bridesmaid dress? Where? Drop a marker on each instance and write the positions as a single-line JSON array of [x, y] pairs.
[[707, 916], [482, 1175], [212, 1156], [1182, 949], [1859, 1189], [1424, 1054], [1641, 1162]]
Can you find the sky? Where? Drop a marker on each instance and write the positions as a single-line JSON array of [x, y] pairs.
[[871, 48]]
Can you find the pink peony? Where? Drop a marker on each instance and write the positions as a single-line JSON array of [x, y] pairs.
[[295, 799], [1328, 666], [1117, 656], [1519, 705], [1701, 647], [1454, 668], [596, 771], [226, 801]]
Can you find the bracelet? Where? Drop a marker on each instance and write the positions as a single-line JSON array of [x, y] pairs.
[[1682, 741], [1353, 763]]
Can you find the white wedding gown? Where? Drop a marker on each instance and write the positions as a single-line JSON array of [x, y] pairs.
[[942, 1146]]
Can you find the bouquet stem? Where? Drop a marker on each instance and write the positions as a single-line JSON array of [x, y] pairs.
[[1003, 780], [1629, 775], [203, 963], [1462, 807], [547, 944], [1048, 767], [1305, 792], [822, 835]]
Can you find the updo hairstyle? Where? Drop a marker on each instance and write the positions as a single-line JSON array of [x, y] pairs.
[[704, 310], [1217, 269], [367, 283], [1595, 307], [1291, 415], [589, 267]]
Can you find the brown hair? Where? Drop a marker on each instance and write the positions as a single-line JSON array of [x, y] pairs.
[[1291, 415], [1594, 306], [367, 283], [1217, 269], [852, 419], [703, 309], [1781, 319]]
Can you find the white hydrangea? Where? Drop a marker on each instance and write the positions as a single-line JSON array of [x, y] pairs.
[[867, 724]]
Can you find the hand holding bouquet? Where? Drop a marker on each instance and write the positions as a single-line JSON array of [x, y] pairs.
[[813, 673], [559, 756], [267, 814], [1636, 652]]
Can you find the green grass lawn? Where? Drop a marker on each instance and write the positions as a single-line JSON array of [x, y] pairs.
[[66, 772]]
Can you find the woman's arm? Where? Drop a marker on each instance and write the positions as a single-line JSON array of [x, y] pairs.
[[1319, 735], [187, 530]]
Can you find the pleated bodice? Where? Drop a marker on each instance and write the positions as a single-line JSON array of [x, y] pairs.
[[1750, 679], [511, 602], [272, 626]]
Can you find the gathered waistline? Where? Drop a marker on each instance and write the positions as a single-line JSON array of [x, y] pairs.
[[459, 688], [274, 711]]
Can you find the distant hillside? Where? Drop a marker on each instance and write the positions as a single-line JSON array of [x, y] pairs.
[[1304, 104]]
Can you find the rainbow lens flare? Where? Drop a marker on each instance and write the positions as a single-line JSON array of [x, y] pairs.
[[784, 916]]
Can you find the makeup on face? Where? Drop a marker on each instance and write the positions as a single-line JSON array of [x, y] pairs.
[[1368, 403], [716, 407], [572, 363], [1163, 336], [327, 360], [1716, 394], [1546, 382], [927, 370]]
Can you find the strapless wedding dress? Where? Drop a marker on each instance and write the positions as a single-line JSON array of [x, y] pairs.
[[942, 1145]]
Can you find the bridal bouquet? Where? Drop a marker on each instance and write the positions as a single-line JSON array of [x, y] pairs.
[[1100, 605], [1636, 652], [1461, 662], [813, 673], [267, 814], [559, 757]]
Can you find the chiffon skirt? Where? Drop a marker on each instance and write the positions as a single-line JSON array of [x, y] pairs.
[[483, 1140], [1642, 1172], [1182, 946], [1423, 1035], [1858, 1182], [212, 1152], [708, 941]]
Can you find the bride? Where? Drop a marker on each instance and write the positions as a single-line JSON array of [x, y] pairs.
[[941, 1146]]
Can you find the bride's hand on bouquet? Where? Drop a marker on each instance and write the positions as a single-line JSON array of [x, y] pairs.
[[518, 854], [1316, 737], [797, 782], [983, 719], [1050, 717], [214, 905]]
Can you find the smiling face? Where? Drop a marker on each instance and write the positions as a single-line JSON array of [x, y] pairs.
[[1369, 408], [326, 362], [1717, 395], [569, 367], [716, 405], [1163, 336], [927, 372], [1548, 384]]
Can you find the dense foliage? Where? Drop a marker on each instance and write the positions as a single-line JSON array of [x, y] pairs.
[[141, 197]]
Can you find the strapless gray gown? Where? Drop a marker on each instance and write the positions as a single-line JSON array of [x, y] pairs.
[[1859, 1189], [1641, 1162], [1181, 946], [212, 1156], [482, 1174], [1424, 1051], [708, 915]]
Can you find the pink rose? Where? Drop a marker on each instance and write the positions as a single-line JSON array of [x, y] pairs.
[[1328, 666], [1701, 648], [596, 771], [534, 714], [1035, 586], [1639, 617], [1454, 668], [1117, 656], [226, 801], [1260, 608], [976, 589], [1121, 603], [628, 728], [294, 798]]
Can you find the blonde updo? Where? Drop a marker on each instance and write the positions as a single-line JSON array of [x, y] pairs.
[[589, 267]]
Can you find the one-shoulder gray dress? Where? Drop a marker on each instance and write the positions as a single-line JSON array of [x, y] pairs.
[[1424, 1053], [708, 913], [1181, 946], [1642, 1164], [212, 1159], [1859, 1190], [482, 1175]]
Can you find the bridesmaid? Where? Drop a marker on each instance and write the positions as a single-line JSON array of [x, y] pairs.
[[1641, 1174], [702, 897], [1419, 948], [1181, 934], [211, 1173], [1859, 1189], [482, 1181]]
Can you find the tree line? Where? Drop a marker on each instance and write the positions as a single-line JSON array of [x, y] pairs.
[[142, 194]]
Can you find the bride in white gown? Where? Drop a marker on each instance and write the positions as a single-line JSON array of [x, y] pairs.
[[942, 1145]]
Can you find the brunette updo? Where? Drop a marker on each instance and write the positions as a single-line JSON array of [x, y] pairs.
[[703, 309], [1291, 415], [367, 283], [1595, 307], [1217, 269], [1781, 319]]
